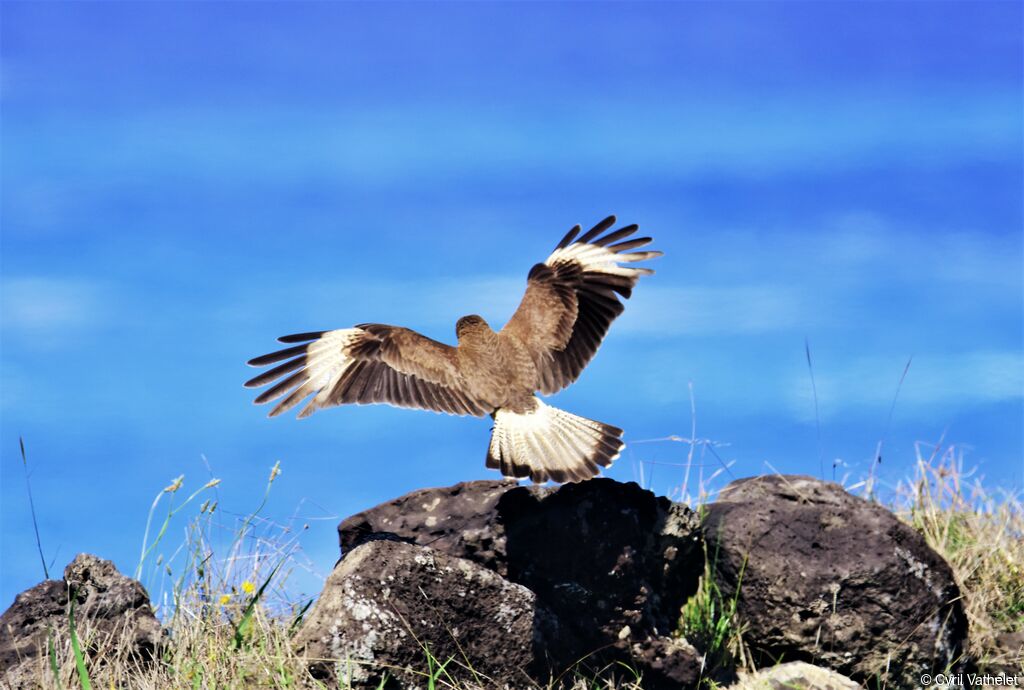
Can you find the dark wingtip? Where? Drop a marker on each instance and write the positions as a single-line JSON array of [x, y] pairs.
[[300, 337], [573, 231], [630, 244], [597, 229], [276, 373], [278, 356], [262, 360], [619, 234]]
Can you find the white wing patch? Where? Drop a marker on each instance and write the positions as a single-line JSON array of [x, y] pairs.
[[304, 369], [326, 362], [346, 366], [600, 259]]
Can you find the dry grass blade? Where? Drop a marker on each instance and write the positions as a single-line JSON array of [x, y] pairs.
[[980, 533]]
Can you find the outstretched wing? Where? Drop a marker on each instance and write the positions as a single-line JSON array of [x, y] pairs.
[[371, 363], [572, 298]]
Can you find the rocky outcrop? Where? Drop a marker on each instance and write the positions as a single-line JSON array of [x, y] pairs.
[[611, 563], [826, 577], [795, 675], [389, 604], [113, 620], [460, 520]]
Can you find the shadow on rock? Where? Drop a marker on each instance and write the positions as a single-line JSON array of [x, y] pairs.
[[608, 566]]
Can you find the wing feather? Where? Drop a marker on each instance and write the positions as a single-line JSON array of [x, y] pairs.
[[572, 298], [371, 363], [569, 236], [596, 230]]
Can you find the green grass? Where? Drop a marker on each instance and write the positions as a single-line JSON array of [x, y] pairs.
[[76, 648], [709, 622]]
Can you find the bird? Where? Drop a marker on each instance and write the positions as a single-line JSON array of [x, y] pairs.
[[571, 300]]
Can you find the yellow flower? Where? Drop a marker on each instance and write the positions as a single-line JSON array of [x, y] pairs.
[[248, 587], [224, 598]]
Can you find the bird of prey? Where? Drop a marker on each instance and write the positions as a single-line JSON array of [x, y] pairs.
[[571, 299]]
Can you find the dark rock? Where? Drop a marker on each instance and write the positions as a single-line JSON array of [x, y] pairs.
[[387, 602], [23, 632], [611, 561], [604, 556], [667, 662], [109, 607], [829, 578], [461, 520]]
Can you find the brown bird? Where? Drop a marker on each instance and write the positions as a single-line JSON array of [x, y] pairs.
[[571, 299]]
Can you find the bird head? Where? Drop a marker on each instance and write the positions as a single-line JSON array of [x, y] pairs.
[[469, 324]]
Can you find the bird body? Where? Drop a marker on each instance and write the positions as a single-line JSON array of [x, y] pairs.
[[570, 301], [499, 369]]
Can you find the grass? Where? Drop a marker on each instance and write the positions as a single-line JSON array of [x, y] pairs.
[[225, 605], [980, 533], [229, 616], [709, 622]]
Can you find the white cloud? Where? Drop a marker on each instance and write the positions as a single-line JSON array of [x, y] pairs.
[[933, 380], [376, 144], [47, 310], [434, 303], [707, 310]]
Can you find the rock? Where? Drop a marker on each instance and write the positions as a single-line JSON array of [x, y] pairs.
[[23, 633], [461, 520], [387, 601], [795, 675], [827, 577], [667, 662], [602, 556], [112, 612]]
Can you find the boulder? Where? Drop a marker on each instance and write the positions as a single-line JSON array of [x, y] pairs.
[[461, 520], [611, 561], [388, 603], [113, 620], [795, 675], [827, 577]]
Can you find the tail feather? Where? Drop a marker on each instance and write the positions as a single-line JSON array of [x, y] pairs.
[[547, 443]]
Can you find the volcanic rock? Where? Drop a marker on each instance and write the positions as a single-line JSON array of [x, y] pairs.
[[610, 561], [113, 620], [388, 605], [826, 577]]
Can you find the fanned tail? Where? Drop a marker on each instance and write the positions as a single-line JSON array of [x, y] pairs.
[[547, 443]]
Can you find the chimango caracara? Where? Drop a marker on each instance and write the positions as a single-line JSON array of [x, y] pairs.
[[571, 299]]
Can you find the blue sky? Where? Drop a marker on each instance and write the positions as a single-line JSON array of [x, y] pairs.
[[184, 182]]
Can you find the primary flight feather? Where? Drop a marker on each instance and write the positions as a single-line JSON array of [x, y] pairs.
[[571, 299]]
